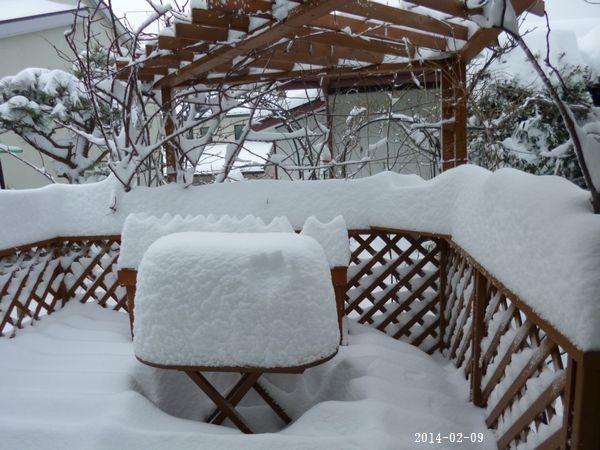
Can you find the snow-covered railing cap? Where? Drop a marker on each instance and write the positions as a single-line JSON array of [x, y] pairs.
[[333, 237], [141, 230], [235, 300]]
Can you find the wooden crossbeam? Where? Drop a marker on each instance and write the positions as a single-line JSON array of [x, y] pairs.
[[486, 37], [333, 73], [220, 19], [373, 29], [405, 18], [253, 7], [203, 33], [456, 8], [310, 49], [367, 45], [301, 15], [176, 43]]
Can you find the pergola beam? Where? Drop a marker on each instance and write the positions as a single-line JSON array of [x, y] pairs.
[[334, 73], [456, 8], [367, 45], [378, 30], [405, 18], [298, 17], [486, 37], [220, 19]]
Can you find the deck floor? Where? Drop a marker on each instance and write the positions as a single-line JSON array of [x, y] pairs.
[[71, 382]]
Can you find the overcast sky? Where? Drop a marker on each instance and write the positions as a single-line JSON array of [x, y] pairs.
[[557, 9]]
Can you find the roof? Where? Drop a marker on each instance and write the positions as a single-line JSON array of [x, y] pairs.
[[27, 9], [30, 16], [252, 158], [244, 41]]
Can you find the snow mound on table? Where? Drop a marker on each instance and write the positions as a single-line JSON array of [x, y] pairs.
[[141, 230], [72, 382], [235, 300], [332, 236]]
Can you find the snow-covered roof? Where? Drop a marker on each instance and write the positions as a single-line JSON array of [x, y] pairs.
[[251, 159], [31, 8], [30, 16]]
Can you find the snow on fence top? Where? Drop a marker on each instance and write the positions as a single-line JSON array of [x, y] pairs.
[[535, 234], [333, 237], [235, 300], [141, 230]]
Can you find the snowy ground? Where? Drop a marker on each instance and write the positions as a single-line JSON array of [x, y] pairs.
[[71, 381]]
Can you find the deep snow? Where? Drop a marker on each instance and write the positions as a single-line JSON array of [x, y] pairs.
[[71, 381]]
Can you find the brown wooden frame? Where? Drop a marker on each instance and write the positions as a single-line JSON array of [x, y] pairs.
[[201, 52]]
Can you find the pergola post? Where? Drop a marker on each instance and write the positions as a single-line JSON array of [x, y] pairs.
[[586, 402], [454, 115], [329, 117], [170, 156]]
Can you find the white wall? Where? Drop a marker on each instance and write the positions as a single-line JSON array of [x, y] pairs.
[[394, 155]]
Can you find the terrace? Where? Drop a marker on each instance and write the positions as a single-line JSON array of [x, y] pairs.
[[469, 301]]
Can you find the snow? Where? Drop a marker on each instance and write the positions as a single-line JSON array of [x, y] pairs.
[[141, 230], [572, 43], [535, 234], [333, 237], [538, 236], [72, 382], [235, 300]]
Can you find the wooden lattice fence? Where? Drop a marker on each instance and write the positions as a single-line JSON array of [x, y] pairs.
[[37, 279], [394, 280], [539, 390]]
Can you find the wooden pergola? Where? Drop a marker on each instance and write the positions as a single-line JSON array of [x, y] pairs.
[[325, 42]]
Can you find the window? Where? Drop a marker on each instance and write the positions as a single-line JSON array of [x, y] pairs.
[[238, 130]]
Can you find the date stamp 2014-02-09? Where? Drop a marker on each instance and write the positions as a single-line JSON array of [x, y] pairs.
[[449, 438]]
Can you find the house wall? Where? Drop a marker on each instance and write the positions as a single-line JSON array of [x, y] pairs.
[[355, 136]]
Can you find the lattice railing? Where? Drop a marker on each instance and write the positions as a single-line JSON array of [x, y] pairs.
[[394, 284], [538, 389], [516, 362], [36, 280]]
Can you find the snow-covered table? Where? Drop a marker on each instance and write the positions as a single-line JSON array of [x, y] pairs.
[[238, 302], [141, 230]]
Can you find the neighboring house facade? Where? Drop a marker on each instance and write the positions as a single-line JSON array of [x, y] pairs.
[[31, 33], [373, 130]]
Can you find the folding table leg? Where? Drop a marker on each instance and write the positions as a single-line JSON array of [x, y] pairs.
[[230, 397], [272, 403], [237, 394], [225, 406]]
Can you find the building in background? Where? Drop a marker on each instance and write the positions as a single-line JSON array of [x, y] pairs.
[[32, 34]]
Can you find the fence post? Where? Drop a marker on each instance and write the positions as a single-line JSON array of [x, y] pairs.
[[479, 305], [586, 402]]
